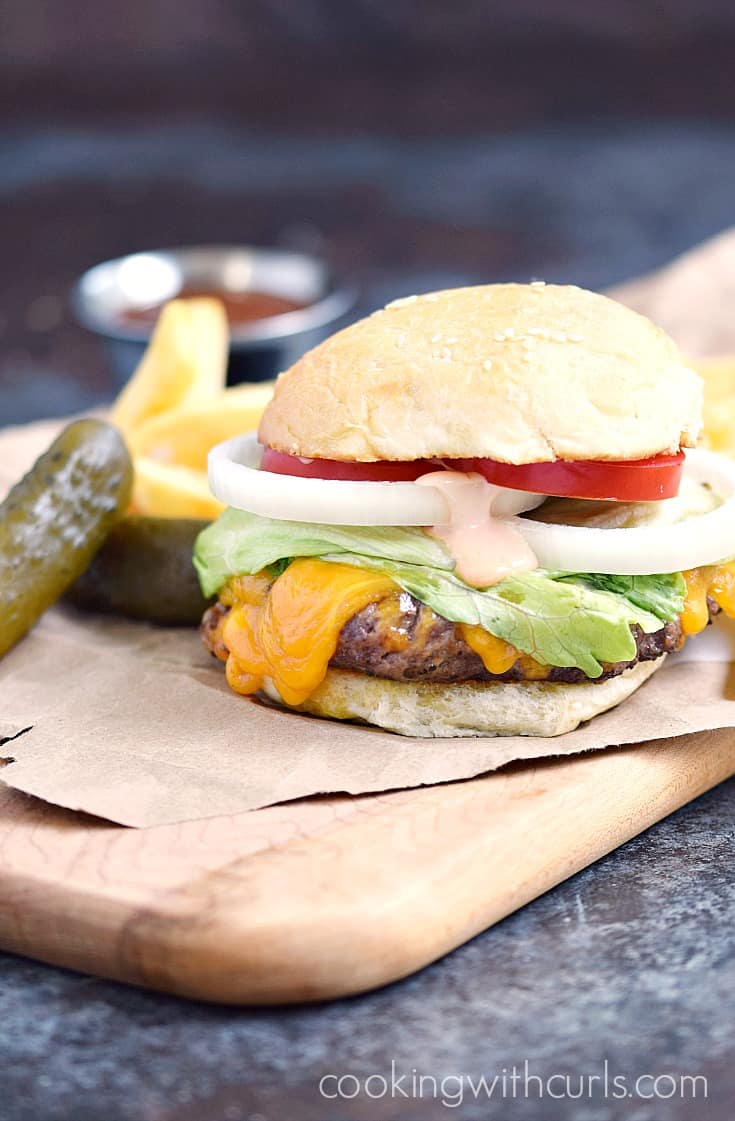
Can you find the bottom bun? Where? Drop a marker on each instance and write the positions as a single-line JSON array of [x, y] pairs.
[[468, 708]]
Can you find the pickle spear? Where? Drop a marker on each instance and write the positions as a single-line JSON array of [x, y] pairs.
[[144, 570], [55, 519]]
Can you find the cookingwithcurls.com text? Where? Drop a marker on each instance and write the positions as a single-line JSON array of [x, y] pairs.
[[513, 1082]]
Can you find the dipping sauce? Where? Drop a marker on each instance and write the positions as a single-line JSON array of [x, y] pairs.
[[242, 308]]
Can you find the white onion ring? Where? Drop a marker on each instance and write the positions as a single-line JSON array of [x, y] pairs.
[[235, 479], [701, 540]]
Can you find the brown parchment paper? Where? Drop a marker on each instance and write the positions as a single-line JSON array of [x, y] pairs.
[[136, 724]]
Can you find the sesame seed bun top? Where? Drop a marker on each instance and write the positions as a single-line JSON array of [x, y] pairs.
[[522, 373]]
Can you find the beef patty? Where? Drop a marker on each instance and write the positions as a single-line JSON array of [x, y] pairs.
[[436, 651], [404, 640]]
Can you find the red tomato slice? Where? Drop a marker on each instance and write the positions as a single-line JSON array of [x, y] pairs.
[[384, 471], [643, 480]]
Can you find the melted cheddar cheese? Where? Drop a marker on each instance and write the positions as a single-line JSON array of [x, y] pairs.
[[717, 581], [497, 655], [288, 630]]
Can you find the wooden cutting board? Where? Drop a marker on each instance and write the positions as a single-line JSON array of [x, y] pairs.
[[326, 897], [330, 896]]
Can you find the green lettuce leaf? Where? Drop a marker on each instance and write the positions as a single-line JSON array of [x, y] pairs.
[[239, 542], [662, 595], [562, 619]]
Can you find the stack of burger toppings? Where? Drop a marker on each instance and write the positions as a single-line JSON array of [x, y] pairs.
[[476, 512]]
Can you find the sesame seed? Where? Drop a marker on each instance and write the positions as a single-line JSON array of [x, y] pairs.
[[437, 337], [454, 339], [432, 297], [487, 364], [559, 336], [538, 284], [499, 336], [403, 301], [576, 338], [445, 352], [510, 332]]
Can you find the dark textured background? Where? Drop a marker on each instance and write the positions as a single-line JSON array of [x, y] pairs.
[[415, 144]]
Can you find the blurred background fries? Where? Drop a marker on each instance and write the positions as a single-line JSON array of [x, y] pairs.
[[719, 402], [176, 407]]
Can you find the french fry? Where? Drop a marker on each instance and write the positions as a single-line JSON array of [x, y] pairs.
[[175, 408], [719, 402], [185, 435], [167, 490], [185, 363]]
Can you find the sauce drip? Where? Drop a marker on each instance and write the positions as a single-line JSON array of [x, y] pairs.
[[486, 549], [242, 308]]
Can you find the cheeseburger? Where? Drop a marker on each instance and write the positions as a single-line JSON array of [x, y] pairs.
[[476, 512]]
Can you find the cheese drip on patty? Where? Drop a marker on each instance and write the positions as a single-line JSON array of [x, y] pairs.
[[288, 629]]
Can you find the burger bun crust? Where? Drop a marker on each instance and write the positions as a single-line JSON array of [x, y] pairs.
[[427, 711], [521, 373]]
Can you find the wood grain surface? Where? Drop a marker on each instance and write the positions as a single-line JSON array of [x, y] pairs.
[[326, 897]]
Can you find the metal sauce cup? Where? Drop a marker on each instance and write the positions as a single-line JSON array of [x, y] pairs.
[[258, 350]]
